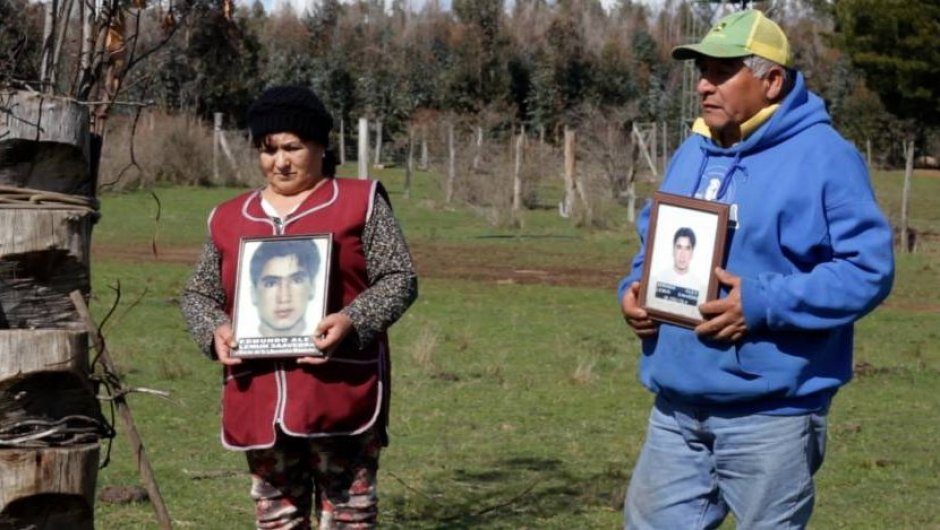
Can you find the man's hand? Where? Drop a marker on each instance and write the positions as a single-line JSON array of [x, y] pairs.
[[329, 334], [224, 342], [636, 316], [724, 318]]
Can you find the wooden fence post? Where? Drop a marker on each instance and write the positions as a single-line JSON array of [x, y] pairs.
[[378, 143], [342, 142], [665, 149], [518, 154], [451, 163], [363, 154], [567, 205], [410, 164], [478, 149], [424, 148], [216, 145], [908, 144]]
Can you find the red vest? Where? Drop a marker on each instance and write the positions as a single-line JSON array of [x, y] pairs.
[[345, 396]]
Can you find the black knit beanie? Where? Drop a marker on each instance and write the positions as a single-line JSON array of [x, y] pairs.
[[293, 109]]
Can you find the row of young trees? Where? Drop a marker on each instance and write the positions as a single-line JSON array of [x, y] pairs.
[[537, 63]]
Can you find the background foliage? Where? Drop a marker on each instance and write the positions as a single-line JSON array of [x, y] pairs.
[[532, 62]]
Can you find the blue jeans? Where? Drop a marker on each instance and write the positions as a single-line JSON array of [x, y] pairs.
[[695, 466]]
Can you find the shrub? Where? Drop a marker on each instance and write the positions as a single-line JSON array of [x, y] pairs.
[[171, 149]]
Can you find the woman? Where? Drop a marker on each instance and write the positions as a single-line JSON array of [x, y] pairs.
[[311, 427]]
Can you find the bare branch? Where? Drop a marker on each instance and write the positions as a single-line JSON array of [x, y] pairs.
[[133, 162], [123, 391]]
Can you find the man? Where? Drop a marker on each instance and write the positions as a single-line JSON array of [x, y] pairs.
[[683, 246], [282, 275], [739, 420], [677, 283], [683, 249]]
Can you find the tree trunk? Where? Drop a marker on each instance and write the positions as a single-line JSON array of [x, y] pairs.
[[44, 144], [87, 14], [50, 419], [48, 45], [65, 15], [24, 351], [43, 379], [48, 489], [40, 263]]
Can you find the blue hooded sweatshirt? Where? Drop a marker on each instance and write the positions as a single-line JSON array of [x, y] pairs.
[[814, 254]]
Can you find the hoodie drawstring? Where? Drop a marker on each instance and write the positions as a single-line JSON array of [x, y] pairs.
[[725, 180]]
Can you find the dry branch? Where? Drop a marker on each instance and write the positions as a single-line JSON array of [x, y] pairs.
[[124, 411]]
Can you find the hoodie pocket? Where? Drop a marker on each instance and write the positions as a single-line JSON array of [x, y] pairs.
[[734, 361]]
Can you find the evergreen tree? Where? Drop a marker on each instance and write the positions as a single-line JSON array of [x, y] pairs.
[[897, 46]]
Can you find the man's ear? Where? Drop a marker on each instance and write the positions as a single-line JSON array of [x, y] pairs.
[[773, 84]]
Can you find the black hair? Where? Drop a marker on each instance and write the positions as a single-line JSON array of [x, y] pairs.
[[684, 232], [308, 258], [294, 109]]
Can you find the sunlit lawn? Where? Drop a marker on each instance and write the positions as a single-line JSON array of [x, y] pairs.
[[514, 406]]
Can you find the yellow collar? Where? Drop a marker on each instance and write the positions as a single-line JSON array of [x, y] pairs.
[[747, 127]]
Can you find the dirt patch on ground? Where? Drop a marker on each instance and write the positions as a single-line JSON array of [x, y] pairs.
[[494, 264], [489, 265], [141, 254], [432, 261]]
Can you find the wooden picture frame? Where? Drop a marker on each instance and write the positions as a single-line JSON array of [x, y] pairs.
[[281, 291], [685, 242]]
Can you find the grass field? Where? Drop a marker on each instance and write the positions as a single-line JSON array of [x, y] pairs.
[[515, 398]]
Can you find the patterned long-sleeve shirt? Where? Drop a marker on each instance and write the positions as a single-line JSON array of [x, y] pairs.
[[393, 284]]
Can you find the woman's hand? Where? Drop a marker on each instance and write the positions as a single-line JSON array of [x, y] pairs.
[[224, 341], [635, 316], [329, 334]]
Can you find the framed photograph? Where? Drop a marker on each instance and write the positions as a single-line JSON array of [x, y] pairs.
[[686, 242], [280, 295]]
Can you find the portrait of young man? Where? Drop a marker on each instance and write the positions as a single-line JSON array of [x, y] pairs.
[[279, 297], [282, 275], [678, 283]]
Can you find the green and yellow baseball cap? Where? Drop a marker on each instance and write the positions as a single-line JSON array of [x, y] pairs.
[[740, 34]]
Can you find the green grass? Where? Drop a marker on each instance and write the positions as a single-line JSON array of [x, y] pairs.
[[514, 406]]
